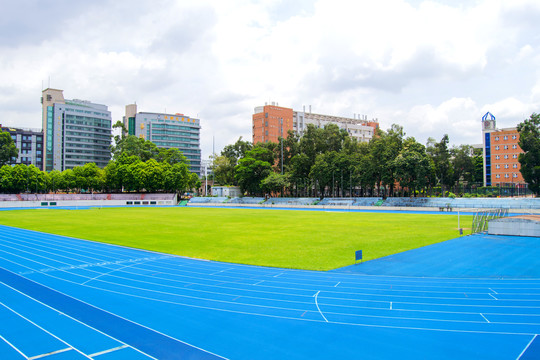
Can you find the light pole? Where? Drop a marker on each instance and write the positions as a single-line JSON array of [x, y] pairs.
[[281, 130]]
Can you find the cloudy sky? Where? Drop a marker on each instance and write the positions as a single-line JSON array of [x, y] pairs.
[[433, 66]]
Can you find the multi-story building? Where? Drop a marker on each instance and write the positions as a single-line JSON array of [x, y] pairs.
[[361, 129], [272, 121], [75, 132], [167, 131], [29, 142], [501, 151]]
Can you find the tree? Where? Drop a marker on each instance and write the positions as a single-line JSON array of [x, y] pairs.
[[440, 155], [384, 148], [274, 183], [8, 150], [462, 163], [412, 165], [237, 150], [250, 172], [223, 169], [529, 142], [134, 146], [171, 156]]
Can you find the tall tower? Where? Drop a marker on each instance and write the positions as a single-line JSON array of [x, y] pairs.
[[49, 98], [488, 126]]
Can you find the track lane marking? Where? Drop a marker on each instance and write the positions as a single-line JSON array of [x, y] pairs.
[[526, 347], [49, 354], [108, 351], [320, 312], [70, 317]]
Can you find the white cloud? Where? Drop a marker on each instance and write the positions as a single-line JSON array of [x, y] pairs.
[[432, 66]]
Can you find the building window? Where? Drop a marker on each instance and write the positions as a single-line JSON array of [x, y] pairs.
[[514, 146], [505, 137], [506, 166], [515, 166], [497, 157], [506, 176], [497, 166], [515, 156], [497, 176], [515, 175], [506, 156], [514, 137], [497, 147], [496, 138], [505, 147]]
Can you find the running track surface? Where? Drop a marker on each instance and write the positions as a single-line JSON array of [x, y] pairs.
[[65, 298]]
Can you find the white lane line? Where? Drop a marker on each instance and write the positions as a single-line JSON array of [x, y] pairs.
[[49, 354], [482, 315], [219, 272], [390, 305], [108, 312], [493, 291], [109, 272], [108, 351], [257, 283], [13, 346], [337, 284], [526, 347], [493, 296], [277, 275], [320, 312], [41, 328], [72, 318], [285, 317]]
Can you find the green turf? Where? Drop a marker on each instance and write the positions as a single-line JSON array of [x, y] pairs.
[[313, 240]]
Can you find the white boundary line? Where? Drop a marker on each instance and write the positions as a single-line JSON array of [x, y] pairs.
[[320, 312], [120, 317], [46, 331], [13, 346], [526, 347], [76, 320]]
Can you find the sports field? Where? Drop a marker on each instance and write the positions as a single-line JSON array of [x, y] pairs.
[[312, 240]]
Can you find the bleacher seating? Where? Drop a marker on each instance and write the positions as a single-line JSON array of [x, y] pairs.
[[456, 203], [208, 200], [8, 197], [246, 200], [336, 202], [366, 201], [291, 201]]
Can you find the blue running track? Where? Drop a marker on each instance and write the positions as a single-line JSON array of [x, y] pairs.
[[65, 298]]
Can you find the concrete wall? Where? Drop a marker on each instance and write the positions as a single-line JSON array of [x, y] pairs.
[[514, 226], [84, 203]]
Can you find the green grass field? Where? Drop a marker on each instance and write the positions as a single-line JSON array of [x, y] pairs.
[[314, 240]]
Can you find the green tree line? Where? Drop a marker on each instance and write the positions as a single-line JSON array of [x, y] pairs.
[[137, 165], [328, 162]]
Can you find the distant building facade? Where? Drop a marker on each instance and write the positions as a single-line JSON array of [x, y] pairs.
[[75, 132], [360, 129], [167, 131], [29, 142], [270, 122], [501, 150]]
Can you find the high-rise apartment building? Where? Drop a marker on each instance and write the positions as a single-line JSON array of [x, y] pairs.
[[167, 131], [75, 132], [501, 151], [272, 121], [29, 142]]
